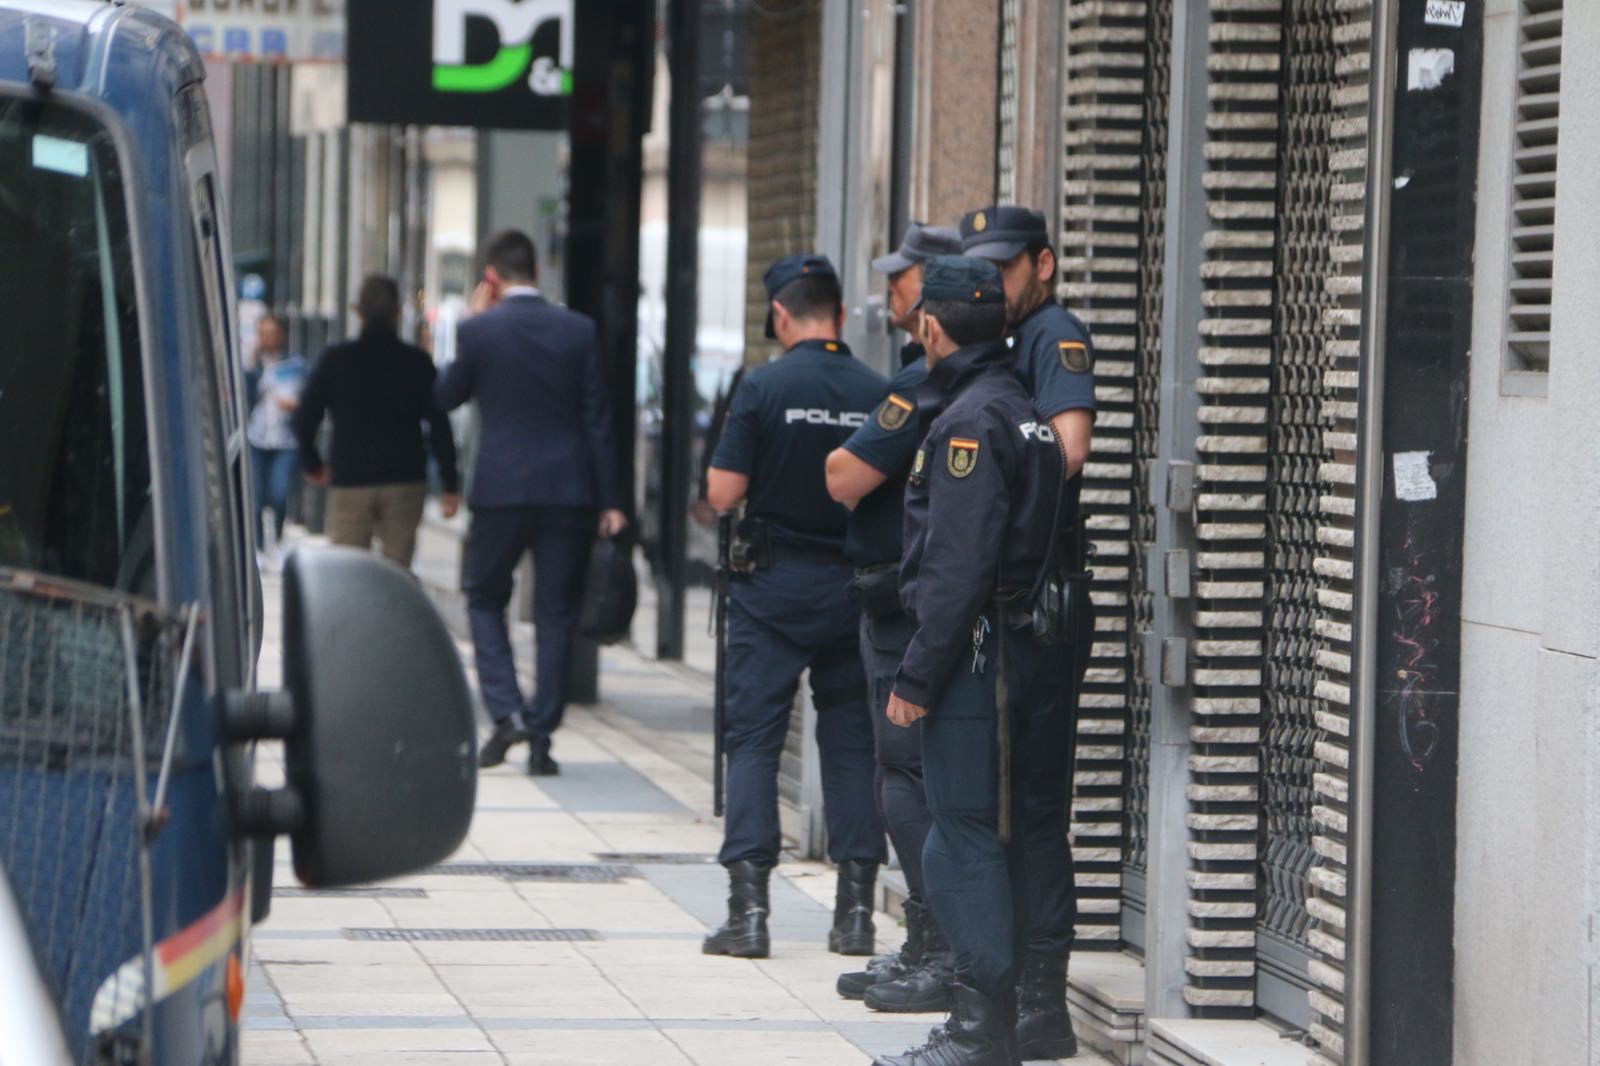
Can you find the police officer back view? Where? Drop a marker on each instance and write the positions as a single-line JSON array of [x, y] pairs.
[[794, 611], [868, 473], [980, 511]]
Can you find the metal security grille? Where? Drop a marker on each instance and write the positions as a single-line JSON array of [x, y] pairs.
[[1300, 418], [86, 691], [1237, 335], [1005, 164], [1287, 154], [1344, 122], [1533, 199], [1112, 248]]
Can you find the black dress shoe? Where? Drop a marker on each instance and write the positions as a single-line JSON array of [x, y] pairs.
[[506, 733], [540, 764]]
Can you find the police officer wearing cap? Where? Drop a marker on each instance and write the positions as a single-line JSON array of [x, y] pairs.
[[794, 612], [868, 474], [980, 511], [1054, 359]]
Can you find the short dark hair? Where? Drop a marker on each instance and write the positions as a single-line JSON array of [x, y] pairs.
[[966, 323], [1037, 246], [810, 298], [512, 255], [379, 301]]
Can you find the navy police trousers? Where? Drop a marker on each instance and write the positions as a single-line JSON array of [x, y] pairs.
[[902, 800], [994, 900], [783, 620]]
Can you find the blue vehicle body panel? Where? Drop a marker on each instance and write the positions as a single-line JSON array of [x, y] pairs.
[[126, 67]]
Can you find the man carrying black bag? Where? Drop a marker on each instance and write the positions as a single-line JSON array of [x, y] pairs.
[[546, 476]]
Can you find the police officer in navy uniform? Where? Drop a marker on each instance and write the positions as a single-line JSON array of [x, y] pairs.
[[980, 512], [1054, 360], [795, 611], [868, 474]]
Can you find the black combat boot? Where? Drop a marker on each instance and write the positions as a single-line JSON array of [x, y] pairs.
[[977, 1033], [926, 989], [1044, 1028], [894, 966], [745, 934], [853, 933]]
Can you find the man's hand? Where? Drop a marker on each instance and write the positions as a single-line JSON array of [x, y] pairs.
[[612, 522], [449, 504], [703, 513], [902, 713], [484, 297], [318, 477]]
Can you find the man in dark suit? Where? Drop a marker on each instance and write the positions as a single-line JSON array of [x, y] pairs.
[[545, 477]]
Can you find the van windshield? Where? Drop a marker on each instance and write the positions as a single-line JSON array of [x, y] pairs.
[[75, 497]]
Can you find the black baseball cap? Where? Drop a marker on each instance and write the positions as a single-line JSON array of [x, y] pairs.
[[1000, 232], [962, 279], [793, 268], [922, 242]]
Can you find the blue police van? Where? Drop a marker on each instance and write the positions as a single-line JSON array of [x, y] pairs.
[[136, 846]]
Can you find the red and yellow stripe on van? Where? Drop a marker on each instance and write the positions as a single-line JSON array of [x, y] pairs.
[[176, 962]]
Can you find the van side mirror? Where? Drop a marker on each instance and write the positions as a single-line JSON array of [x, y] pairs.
[[382, 752]]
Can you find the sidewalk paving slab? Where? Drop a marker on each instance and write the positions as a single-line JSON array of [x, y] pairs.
[[629, 987]]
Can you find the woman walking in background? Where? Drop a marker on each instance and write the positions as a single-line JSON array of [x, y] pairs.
[[279, 378]]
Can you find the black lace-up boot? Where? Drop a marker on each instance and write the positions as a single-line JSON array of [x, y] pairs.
[[926, 989], [1044, 1028], [853, 933], [894, 966], [744, 936], [977, 1033]]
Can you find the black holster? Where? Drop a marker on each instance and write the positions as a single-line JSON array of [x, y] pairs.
[[878, 589]]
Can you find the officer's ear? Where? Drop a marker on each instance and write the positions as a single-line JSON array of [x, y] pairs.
[[838, 320], [780, 317]]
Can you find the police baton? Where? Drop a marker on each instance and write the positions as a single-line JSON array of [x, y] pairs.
[[719, 689]]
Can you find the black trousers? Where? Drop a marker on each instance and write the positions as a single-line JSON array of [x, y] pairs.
[[995, 899], [561, 539], [902, 799]]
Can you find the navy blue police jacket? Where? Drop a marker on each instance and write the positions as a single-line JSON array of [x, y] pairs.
[[980, 504], [888, 443], [784, 419], [545, 435]]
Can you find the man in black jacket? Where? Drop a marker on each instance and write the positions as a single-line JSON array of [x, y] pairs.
[[545, 478], [379, 391]]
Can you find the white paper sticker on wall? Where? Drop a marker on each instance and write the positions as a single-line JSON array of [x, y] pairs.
[[1413, 481], [62, 157], [1446, 13], [1427, 68]]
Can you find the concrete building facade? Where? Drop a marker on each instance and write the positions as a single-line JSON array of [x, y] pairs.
[[1336, 754]]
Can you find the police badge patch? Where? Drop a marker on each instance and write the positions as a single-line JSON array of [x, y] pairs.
[[963, 456], [894, 412], [1074, 356]]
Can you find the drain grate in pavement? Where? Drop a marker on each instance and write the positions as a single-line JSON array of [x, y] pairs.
[[476, 935], [578, 873], [287, 892], [658, 858]]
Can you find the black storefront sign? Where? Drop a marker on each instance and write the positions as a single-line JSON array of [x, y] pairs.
[[490, 64]]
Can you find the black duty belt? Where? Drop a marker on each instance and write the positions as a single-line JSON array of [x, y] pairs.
[[791, 553]]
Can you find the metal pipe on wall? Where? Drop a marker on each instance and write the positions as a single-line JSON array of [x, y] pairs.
[[684, 166], [1369, 463]]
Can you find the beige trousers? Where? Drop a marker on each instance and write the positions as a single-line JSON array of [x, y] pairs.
[[389, 512]]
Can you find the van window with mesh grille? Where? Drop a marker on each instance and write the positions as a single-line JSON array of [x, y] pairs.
[[74, 450]]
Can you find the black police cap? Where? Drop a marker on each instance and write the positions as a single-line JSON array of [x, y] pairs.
[[961, 279], [792, 268], [1001, 232]]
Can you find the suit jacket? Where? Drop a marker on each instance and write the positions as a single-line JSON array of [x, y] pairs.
[[545, 422]]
